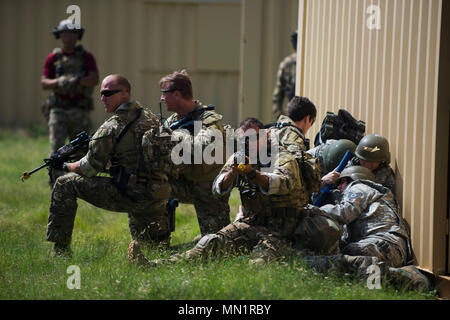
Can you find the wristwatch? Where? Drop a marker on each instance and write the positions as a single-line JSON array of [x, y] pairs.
[[64, 167]]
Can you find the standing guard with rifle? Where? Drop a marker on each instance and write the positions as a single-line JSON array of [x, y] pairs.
[[71, 73]]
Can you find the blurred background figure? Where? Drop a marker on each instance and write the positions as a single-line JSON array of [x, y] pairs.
[[71, 73]]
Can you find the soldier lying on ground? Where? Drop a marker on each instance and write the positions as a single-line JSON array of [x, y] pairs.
[[378, 236], [274, 212]]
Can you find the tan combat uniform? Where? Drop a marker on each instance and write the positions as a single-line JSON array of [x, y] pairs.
[[194, 182]]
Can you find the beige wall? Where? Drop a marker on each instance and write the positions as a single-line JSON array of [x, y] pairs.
[[232, 54], [265, 41], [393, 80], [141, 39]]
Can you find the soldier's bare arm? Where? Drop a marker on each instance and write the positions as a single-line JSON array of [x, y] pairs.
[[48, 84], [74, 167]]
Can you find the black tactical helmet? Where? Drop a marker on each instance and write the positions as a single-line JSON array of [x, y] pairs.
[[356, 173], [65, 25], [374, 148], [334, 151], [294, 39]]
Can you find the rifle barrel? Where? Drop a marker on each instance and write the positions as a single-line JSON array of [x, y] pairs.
[[26, 174]]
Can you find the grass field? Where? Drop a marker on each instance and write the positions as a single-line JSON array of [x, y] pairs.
[[100, 241]]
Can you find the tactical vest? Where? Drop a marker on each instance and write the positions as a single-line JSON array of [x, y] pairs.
[[203, 172], [296, 144], [72, 65], [128, 165], [255, 201], [279, 213]]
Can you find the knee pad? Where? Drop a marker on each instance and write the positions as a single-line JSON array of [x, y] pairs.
[[209, 241]]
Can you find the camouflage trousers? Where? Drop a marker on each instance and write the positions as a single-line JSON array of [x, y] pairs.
[[356, 257], [268, 238], [66, 124], [241, 236], [213, 212], [148, 219]]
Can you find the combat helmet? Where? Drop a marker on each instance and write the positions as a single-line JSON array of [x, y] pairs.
[[68, 25], [357, 173], [374, 148], [334, 151], [294, 39]]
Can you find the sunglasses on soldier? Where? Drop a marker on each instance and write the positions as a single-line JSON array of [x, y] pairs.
[[109, 93], [168, 90]]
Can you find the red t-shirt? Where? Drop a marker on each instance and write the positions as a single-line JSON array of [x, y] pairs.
[[49, 65]]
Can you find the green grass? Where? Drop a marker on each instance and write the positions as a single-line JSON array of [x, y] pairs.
[[99, 245]]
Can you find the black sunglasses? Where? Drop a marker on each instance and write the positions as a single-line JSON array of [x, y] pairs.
[[109, 93], [168, 90]]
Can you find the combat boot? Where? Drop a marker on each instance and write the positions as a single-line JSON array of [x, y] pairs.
[[61, 250], [411, 277], [135, 255]]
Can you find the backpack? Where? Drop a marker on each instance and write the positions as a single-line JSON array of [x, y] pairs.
[[157, 146], [309, 166], [340, 126]]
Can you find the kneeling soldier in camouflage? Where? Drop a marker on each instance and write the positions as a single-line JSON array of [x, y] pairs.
[[193, 181], [132, 188], [273, 209]]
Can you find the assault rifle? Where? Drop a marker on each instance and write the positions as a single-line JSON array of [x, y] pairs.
[[327, 189], [64, 154], [188, 121]]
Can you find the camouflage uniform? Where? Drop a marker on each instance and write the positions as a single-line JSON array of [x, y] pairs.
[[68, 108], [285, 86], [384, 174], [194, 181], [142, 194], [290, 136], [293, 140], [376, 233], [272, 220]]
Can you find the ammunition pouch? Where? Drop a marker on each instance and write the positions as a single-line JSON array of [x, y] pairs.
[[136, 187], [120, 178], [49, 103], [57, 101]]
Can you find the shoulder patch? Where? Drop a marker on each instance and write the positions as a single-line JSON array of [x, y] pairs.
[[354, 195], [106, 129]]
